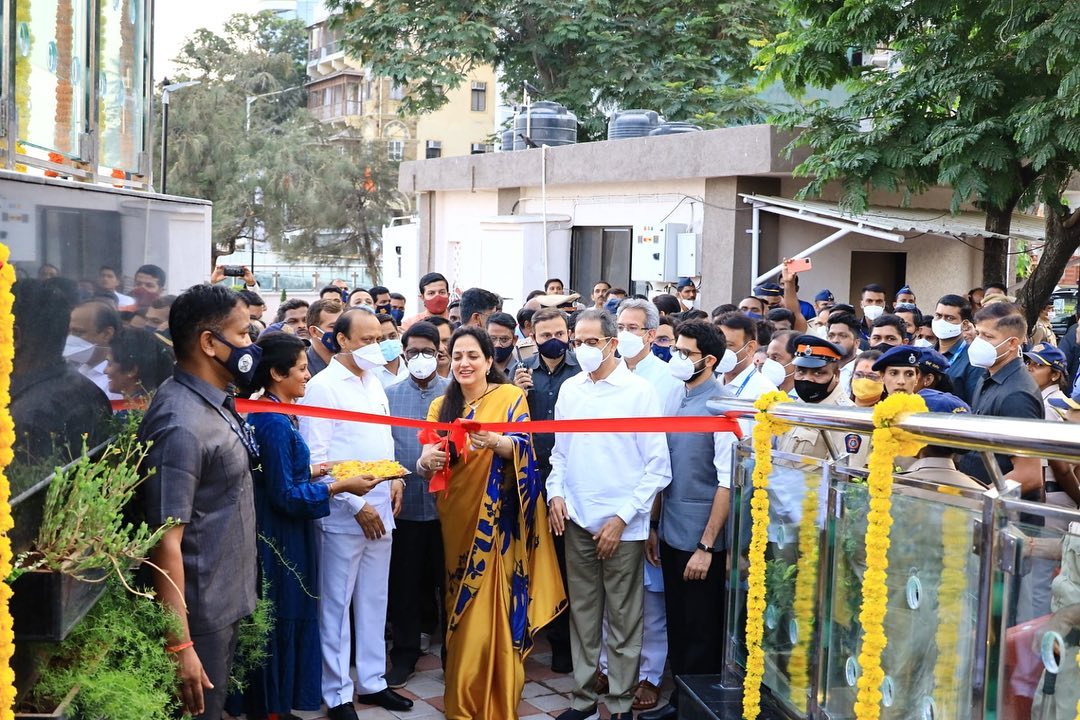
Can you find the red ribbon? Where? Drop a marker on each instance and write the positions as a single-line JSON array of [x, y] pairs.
[[457, 431]]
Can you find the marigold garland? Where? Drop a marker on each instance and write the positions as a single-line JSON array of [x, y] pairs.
[[954, 531], [888, 443], [805, 592], [7, 440], [765, 428]]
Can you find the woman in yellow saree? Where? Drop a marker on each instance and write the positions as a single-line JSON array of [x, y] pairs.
[[503, 581]]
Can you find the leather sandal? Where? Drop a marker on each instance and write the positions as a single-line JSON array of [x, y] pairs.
[[646, 697]]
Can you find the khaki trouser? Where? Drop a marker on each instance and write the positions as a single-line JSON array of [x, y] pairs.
[[616, 584]]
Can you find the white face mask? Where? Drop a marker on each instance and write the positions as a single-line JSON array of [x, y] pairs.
[[774, 372], [78, 351], [369, 356], [944, 329], [922, 342], [691, 303], [589, 358], [421, 367], [728, 362], [681, 368], [982, 354], [630, 345], [873, 312]]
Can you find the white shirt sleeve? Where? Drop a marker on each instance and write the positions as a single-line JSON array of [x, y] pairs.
[[318, 434], [653, 448], [558, 457], [722, 449]]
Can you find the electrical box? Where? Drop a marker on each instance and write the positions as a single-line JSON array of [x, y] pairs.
[[655, 256], [688, 258]]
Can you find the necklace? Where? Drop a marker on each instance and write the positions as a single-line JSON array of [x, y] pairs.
[[476, 403]]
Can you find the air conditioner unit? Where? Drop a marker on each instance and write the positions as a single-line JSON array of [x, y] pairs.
[[434, 149]]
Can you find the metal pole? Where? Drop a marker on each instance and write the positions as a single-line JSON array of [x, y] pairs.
[[755, 246], [164, 137]]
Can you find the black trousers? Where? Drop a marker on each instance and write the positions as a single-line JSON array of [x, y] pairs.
[[695, 614], [416, 586], [215, 651], [558, 631]]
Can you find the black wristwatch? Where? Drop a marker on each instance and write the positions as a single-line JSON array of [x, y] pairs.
[[706, 548]]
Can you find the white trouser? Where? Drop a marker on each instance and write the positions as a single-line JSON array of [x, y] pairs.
[[352, 569], [653, 641]]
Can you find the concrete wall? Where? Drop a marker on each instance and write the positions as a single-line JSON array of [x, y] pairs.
[[455, 124]]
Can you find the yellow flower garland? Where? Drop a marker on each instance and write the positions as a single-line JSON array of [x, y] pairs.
[[765, 428], [954, 530], [805, 591], [7, 440], [888, 444]]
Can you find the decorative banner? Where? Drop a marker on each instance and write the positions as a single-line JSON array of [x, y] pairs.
[[7, 440]]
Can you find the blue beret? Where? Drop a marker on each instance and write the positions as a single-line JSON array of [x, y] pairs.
[[906, 290], [930, 360], [1047, 354], [768, 290], [824, 296], [685, 283], [942, 402], [899, 356]]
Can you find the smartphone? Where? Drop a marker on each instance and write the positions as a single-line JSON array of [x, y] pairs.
[[798, 265], [526, 351], [233, 270]]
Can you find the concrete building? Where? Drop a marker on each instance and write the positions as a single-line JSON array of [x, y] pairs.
[[307, 10], [639, 213], [344, 93]]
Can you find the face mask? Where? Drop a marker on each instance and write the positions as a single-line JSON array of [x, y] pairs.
[[437, 305], [683, 368], [630, 345], [369, 356], [421, 367], [78, 351], [873, 312], [327, 340], [590, 358], [691, 303], [391, 349], [398, 315], [728, 362], [922, 342], [774, 372], [143, 296], [883, 347], [812, 392], [982, 354], [664, 353], [242, 360], [867, 389], [612, 306], [502, 354], [944, 329], [384, 309], [553, 349]]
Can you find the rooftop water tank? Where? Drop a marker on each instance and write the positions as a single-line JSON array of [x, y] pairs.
[[507, 140], [632, 123], [675, 128], [548, 123]]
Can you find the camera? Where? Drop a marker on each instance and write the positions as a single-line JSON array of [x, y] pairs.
[[233, 270]]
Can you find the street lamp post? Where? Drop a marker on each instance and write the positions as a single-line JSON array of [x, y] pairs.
[[252, 98], [165, 92]]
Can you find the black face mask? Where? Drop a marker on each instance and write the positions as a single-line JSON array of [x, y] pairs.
[[812, 392], [502, 354], [883, 347], [385, 309], [553, 348], [242, 361]]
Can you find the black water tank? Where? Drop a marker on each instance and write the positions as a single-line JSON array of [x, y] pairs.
[[675, 128], [632, 123], [507, 140], [549, 123]]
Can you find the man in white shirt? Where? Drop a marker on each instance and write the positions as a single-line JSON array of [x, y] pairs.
[[394, 371], [741, 380], [96, 323], [605, 515], [355, 539]]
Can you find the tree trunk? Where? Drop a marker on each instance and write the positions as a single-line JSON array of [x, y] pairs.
[[996, 251], [1062, 240]]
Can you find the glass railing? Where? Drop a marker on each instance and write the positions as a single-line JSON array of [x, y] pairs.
[[983, 614]]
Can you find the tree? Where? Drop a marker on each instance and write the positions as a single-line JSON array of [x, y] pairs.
[[285, 180], [686, 58], [979, 96]]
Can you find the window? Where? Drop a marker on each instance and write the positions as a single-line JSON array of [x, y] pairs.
[[397, 92], [395, 150], [434, 149], [479, 96]]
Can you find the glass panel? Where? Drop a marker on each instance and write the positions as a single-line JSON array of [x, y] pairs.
[[51, 75], [122, 84], [1039, 676], [797, 497], [931, 615]]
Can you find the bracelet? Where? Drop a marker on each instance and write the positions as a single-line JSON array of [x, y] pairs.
[[323, 470], [178, 648]]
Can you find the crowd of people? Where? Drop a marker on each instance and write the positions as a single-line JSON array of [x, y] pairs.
[[611, 543]]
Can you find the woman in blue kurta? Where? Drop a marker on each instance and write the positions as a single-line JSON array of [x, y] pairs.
[[289, 494]]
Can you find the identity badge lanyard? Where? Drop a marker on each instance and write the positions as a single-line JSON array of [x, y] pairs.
[[744, 384]]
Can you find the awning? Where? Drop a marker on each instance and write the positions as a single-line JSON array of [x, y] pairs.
[[893, 224]]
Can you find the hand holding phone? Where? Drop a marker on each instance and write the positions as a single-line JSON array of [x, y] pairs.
[[798, 265]]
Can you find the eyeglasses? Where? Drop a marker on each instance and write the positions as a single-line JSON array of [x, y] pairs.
[[663, 341], [684, 355], [502, 341], [866, 376], [413, 354], [591, 342]]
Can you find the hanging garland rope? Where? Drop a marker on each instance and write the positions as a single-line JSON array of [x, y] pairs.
[[805, 591], [765, 428], [7, 440], [889, 443]]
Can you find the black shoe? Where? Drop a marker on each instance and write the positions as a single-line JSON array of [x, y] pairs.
[[387, 699], [668, 712], [345, 711], [628, 715], [562, 665], [398, 676], [572, 714]]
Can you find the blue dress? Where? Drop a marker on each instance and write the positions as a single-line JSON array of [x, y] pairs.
[[286, 502]]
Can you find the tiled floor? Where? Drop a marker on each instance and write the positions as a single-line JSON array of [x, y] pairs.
[[546, 693]]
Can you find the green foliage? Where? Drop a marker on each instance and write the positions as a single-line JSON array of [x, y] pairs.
[[116, 656], [780, 584], [83, 530], [684, 58], [284, 180], [251, 641]]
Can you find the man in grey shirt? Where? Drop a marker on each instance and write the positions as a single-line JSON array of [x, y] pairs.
[[200, 458]]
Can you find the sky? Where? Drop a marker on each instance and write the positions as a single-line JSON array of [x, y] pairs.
[[175, 20]]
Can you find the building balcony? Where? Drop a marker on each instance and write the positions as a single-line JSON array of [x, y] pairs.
[[326, 59], [337, 112]]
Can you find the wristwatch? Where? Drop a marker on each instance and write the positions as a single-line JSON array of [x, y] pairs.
[[706, 548]]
